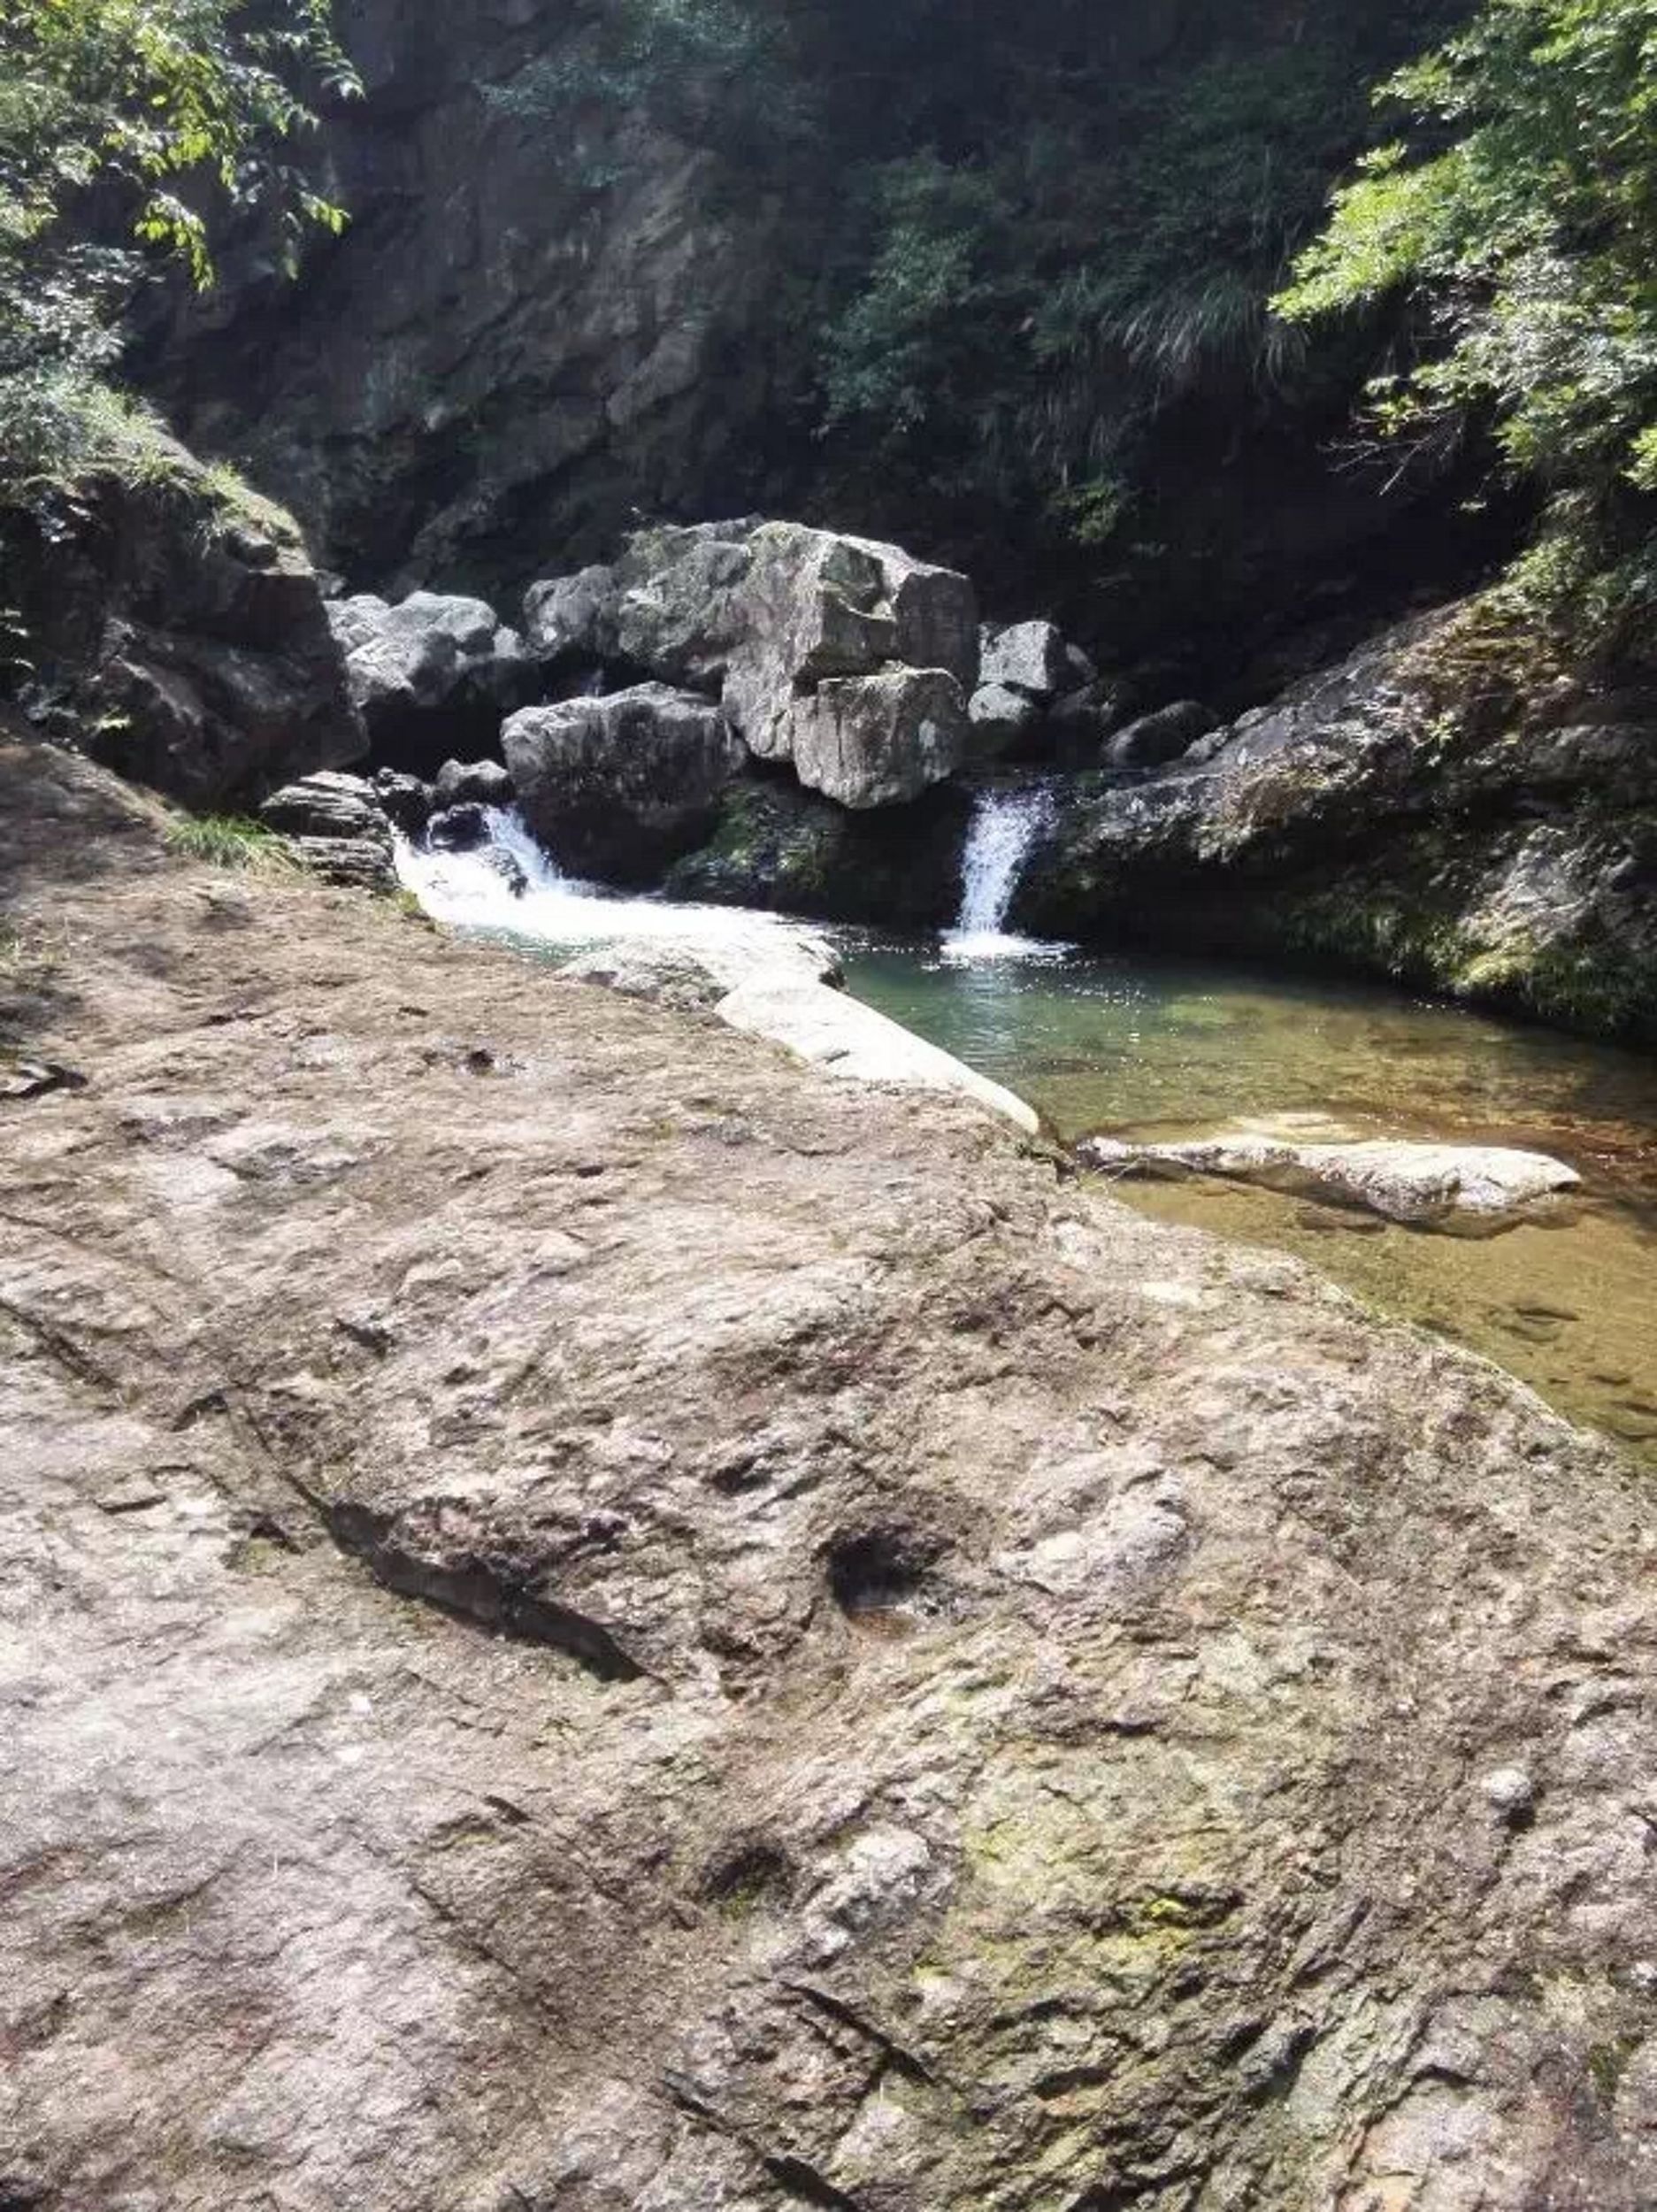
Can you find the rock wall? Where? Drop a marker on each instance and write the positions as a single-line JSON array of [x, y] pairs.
[[172, 625], [535, 326], [1445, 807]]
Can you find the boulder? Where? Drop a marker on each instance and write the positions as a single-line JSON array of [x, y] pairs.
[[458, 829], [176, 630], [1427, 1186], [768, 614], [479, 782], [356, 864], [337, 828], [326, 805], [617, 788], [406, 801], [1156, 739], [1028, 657], [429, 669], [878, 740], [1420, 810], [999, 719]]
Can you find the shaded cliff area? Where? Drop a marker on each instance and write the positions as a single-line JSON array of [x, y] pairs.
[[995, 287]]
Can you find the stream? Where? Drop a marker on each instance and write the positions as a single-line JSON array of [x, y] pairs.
[[1161, 1049]]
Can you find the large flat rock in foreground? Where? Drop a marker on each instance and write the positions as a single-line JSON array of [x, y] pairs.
[[595, 1620]]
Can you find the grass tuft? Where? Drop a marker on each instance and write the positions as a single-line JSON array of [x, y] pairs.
[[232, 840]]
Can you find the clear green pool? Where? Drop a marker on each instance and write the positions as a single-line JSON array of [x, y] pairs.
[[1138, 1049]]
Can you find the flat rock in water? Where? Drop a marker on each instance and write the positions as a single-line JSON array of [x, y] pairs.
[[1421, 1184]]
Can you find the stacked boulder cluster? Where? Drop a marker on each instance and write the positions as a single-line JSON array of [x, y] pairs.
[[639, 698]]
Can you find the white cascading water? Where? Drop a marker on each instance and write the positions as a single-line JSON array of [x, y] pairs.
[[1005, 827], [511, 887]]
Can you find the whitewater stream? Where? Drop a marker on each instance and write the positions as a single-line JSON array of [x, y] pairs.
[[1146, 1049]]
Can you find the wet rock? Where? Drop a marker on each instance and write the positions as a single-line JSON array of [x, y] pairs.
[[849, 660], [778, 846], [405, 800], [1030, 658], [428, 668], [1426, 1185], [617, 788], [1424, 808], [479, 782], [1156, 739], [459, 829]]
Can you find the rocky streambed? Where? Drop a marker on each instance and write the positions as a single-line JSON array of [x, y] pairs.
[[597, 1620]]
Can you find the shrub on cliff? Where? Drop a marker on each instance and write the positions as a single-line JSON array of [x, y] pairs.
[[126, 128], [1519, 211]]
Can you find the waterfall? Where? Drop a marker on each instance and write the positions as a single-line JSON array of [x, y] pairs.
[[509, 887], [1005, 827]]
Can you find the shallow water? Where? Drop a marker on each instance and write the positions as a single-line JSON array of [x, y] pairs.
[[1146, 1049]]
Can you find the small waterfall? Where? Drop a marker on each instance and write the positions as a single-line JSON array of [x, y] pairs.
[[1005, 827], [511, 887]]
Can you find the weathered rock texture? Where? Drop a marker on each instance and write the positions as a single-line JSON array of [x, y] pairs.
[[1440, 807], [430, 673], [538, 317], [1426, 1185], [593, 1620], [619, 786], [853, 662], [174, 623]]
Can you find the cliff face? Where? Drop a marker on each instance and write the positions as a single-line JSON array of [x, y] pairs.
[[568, 297], [535, 325]]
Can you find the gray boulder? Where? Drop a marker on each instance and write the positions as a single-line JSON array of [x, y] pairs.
[[1028, 657], [326, 805], [619, 787], [177, 631], [767, 614], [337, 828], [1156, 738], [878, 740], [479, 782], [429, 669], [999, 718]]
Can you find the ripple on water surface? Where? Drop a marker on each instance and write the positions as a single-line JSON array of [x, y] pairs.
[[1152, 1050]]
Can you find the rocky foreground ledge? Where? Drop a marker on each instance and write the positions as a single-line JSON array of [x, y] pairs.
[[594, 1620]]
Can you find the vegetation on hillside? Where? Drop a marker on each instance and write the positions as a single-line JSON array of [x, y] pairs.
[[1517, 213], [127, 129]]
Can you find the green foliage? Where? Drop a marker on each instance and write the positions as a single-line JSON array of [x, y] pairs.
[[231, 840], [146, 118], [1518, 214]]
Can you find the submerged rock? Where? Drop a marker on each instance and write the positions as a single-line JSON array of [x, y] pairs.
[[1425, 1185], [617, 788], [849, 660]]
